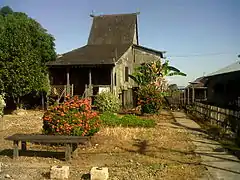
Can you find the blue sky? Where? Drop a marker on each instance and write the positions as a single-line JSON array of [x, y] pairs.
[[200, 36]]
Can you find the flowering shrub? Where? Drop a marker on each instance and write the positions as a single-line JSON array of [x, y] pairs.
[[107, 102], [150, 99], [72, 117], [2, 104]]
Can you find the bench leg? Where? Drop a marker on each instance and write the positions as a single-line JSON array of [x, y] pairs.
[[24, 146], [74, 146], [15, 149], [89, 144], [68, 152]]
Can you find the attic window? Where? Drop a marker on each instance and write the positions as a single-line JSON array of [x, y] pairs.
[[126, 74]]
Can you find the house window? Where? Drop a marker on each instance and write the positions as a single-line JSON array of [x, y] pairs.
[[126, 74], [115, 79]]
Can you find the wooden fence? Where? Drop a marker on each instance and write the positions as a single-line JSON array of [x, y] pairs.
[[226, 118]]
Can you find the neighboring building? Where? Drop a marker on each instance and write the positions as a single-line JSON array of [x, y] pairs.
[[111, 54], [224, 86], [199, 89], [195, 91]]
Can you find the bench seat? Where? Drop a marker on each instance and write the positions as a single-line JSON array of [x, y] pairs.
[[70, 142]]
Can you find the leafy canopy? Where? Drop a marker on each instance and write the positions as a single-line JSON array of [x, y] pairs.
[[25, 48], [154, 72]]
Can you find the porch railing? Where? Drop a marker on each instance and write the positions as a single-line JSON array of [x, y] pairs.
[[61, 90], [89, 89]]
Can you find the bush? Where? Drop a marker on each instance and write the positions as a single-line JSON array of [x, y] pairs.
[[2, 105], [72, 117], [150, 99], [107, 102], [112, 120]]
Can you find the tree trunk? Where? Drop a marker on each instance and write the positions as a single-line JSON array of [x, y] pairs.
[[19, 103]]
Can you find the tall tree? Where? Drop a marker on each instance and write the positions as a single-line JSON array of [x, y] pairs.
[[25, 48]]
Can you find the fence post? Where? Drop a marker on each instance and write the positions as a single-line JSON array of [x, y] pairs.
[[193, 95]]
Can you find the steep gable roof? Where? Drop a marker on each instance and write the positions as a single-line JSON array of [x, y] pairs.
[[113, 29]]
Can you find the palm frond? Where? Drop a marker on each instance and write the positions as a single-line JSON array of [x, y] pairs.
[[176, 74], [171, 68]]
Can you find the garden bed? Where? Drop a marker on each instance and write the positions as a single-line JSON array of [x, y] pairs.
[[159, 152]]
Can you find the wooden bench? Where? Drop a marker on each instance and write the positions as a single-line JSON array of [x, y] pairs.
[[70, 142]]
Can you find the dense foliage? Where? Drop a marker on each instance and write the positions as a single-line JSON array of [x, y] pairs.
[[150, 98], [112, 120], [107, 102], [72, 117], [25, 48], [152, 84]]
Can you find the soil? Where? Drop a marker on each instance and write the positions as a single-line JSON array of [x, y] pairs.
[[163, 152]]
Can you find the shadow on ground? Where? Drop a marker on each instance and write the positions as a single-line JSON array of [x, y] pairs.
[[211, 133], [33, 153], [86, 176], [143, 148]]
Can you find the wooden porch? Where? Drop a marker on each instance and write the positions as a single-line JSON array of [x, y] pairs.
[[81, 81]]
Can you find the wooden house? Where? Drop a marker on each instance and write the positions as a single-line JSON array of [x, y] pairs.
[[224, 87], [110, 55]]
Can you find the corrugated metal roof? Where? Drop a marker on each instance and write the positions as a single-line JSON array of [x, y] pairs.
[[230, 68], [198, 80]]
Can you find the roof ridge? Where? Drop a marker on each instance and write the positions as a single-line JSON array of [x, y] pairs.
[[122, 14]]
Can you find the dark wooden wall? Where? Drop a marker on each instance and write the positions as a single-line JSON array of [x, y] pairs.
[[58, 76], [224, 89]]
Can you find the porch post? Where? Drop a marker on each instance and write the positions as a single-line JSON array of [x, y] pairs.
[[205, 94], [90, 76], [188, 92], [68, 82], [112, 79], [193, 94], [90, 82]]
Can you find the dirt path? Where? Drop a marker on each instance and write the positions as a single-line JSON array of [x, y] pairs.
[[163, 152], [219, 163]]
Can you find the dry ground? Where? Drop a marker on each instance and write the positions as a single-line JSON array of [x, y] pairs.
[[164, 152]]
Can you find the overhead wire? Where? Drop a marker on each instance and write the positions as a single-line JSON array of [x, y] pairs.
[[200, 55]]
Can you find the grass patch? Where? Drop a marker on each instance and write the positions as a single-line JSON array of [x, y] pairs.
[[113, 120]]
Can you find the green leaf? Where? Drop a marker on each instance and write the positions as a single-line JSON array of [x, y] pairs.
[[177, 74], [171, 68]]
